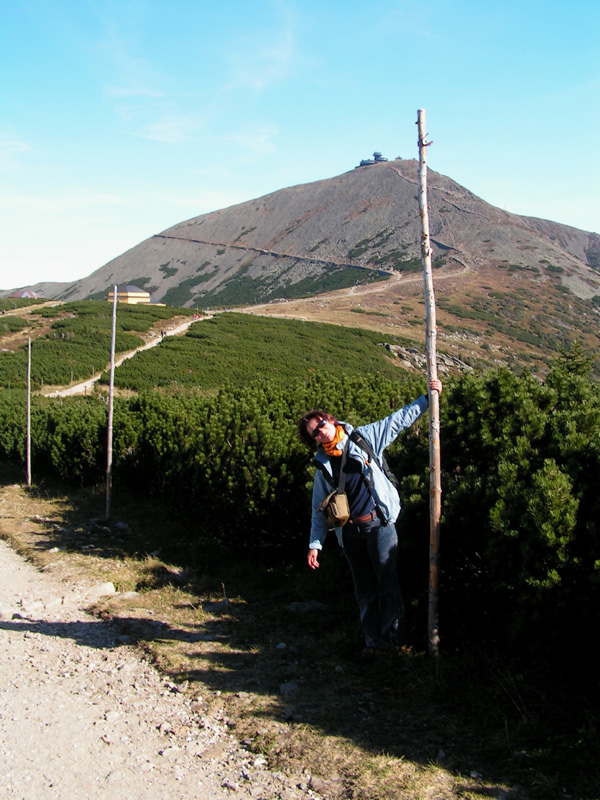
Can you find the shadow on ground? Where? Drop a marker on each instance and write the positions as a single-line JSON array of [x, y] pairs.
[[282, 644]]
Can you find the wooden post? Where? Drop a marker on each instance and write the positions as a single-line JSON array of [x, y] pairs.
[[28, 445], [110, 406], [435, 489]]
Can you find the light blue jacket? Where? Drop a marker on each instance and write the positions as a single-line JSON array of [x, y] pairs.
[[379, 435]]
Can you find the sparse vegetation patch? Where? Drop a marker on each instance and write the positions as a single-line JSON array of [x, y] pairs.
[[168, 271]]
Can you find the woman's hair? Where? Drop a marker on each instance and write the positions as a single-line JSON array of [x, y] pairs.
[[316, 413]]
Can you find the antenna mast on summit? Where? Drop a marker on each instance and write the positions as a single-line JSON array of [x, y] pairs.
[[435, 490]]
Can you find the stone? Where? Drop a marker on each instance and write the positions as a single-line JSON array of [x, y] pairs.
[[216, 607], [101, 590], [307, 607]]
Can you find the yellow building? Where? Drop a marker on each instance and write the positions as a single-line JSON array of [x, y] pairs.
[[130, 295]]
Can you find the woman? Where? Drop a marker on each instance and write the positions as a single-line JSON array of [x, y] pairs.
[[369, 537]]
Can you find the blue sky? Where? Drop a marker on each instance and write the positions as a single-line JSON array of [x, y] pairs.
[[119, 118]]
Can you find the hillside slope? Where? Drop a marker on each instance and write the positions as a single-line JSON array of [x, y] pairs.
[[510, 289], [294, 238]]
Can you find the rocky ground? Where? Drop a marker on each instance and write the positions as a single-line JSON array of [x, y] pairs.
[[83, 714]]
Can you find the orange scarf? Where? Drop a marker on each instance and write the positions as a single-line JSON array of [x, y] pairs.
[[331, 448]]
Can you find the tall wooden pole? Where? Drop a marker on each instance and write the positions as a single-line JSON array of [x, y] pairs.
[[110, 406], [28, 444], [435, 488]]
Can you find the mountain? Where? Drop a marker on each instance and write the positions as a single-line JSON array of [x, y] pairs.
[[524, 280], [366, 217]]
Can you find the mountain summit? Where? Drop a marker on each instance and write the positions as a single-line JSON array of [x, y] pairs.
[[333, 233]]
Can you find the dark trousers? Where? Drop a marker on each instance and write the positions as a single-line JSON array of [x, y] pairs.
[[370, 549]]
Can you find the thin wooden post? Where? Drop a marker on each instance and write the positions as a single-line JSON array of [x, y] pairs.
[[435, 489], [110, 406], [28, 445]]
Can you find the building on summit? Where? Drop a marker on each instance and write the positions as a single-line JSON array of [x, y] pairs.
[[377, 159]]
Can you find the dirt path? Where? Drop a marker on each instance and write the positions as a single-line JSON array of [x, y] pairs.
[[299, 306], [85, 386], [83, 714]]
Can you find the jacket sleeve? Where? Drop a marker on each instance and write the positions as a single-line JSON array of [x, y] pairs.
[[382, 433], [318, 529]]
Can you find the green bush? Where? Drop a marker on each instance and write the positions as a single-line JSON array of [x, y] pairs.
[[521, 470], [9, 303], [239, 348], [12, 324], [79, 342], [68, 436], [520, 477]]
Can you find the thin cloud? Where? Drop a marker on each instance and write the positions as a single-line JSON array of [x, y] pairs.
[[119, 50], [258, 142], [133, 85], [65, 202], [258, 68], [130, 91], [11, 152], [172, 129]]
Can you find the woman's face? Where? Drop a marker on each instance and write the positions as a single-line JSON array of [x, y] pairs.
[[320, 430]]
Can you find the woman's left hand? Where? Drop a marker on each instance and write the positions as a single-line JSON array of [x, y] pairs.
[[436, 385]]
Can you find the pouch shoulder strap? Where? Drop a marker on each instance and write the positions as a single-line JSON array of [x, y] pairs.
[[342, 481], [328, 478]]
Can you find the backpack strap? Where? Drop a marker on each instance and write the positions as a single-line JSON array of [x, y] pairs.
[[364, 445]]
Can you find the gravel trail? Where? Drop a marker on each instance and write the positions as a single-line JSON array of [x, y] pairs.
[[83, 714]]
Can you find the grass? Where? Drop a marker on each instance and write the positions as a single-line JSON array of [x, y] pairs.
[[523, 317], [275, 647]]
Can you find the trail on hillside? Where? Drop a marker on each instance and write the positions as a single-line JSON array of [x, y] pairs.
[[328, 262], [381, 287], [86, 386]]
